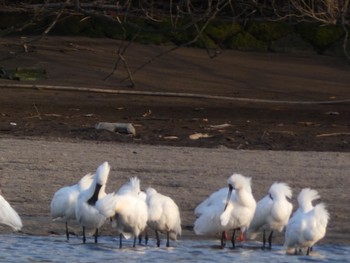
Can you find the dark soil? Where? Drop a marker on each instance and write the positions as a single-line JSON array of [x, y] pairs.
[[164, 120]]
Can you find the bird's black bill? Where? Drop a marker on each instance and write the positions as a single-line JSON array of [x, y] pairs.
[[230, 188]]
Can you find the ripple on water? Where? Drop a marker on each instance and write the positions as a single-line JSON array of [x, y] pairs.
[[23, 248]]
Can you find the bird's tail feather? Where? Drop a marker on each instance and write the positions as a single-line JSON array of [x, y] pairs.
[[9, 216]]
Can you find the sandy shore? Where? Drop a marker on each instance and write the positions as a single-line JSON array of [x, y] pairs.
[[33, 169]]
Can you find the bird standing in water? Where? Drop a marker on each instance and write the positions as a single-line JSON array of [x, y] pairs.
[[65, 199], [272, 212], [163, 215], [127, 210], [229, 208], [308, 224], [86, 212]]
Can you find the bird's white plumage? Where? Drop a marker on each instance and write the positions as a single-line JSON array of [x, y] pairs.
[[8, 216], [131, 187], [240, 209], [64, 200], [86, 212], [127, 208], [213, 218], [308, 224], [128, 213], [163, 214], [272, 211], [209, 211], [214, 199]]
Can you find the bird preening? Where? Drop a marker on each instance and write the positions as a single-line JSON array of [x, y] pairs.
[[130, 210], [64, 200], [234, 208], [87, 215], [228, 209], [133, 213], [308, 224], [272, 212]]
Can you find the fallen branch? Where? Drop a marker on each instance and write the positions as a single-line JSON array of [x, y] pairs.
[[37, 111], [333, 134], [168, 94]]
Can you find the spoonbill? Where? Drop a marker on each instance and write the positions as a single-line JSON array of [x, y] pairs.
[[239, 211], [308, 224], [86, 212], [163, 215], [208, 213], [127, 210], [131, 187], [8, 216], [272, 212], [64, 200], [219, 214]]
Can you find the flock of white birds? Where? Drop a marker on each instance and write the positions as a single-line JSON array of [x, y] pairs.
[[234, 208], [132, 212]]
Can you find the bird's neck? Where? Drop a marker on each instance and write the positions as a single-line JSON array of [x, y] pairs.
[[306, 206], [243, 196], [93, 199]]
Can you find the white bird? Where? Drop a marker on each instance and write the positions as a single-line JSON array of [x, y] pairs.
[[272, 212], [308, 224], [8, 216], [219, 214], [132, 187], [214, 199], [64, 200], [86, 212], [163, 215], [127, 209], [239, 211], [208, 214]]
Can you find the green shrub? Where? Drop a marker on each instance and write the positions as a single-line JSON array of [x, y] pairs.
[[205, 42], [320, 36], [246, 42], [268, 30], [221, 31]]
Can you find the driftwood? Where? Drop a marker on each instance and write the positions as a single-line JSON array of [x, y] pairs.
[[333, 134], [169, 94]]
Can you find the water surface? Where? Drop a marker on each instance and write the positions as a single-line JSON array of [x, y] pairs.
[[24, 248]]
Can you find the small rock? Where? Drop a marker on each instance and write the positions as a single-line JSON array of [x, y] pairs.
[[197, 136], [332, 113], [127, 128]]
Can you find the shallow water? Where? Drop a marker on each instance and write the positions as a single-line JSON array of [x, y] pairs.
[[23, 248]]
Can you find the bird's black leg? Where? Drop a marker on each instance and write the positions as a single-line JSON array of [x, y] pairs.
[[120, 241], [146, 237], [264, 239], [67, 232], [233, 238], [270, 240], [96, 235], [167, 239], [84, 238], [140, 239], [134, 245], [308, 251], [158, 239], [223, 239]]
